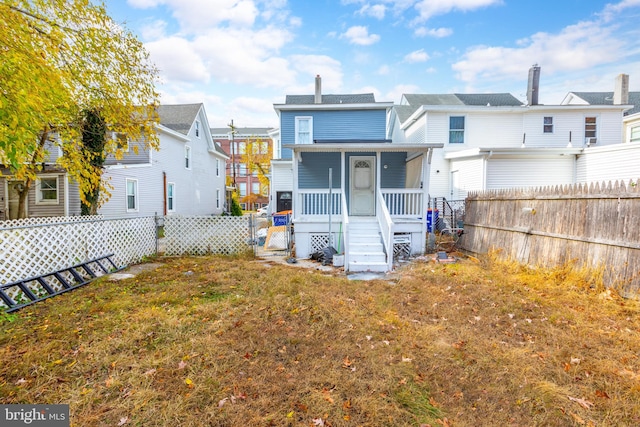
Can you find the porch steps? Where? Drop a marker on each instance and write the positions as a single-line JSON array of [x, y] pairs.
[[366, 251]]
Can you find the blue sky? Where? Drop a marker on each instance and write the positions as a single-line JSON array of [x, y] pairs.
[[239, 57]]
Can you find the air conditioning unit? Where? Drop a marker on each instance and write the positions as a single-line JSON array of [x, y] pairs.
[[590, 141]]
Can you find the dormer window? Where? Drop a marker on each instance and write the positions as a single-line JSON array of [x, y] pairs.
[[304, 130]]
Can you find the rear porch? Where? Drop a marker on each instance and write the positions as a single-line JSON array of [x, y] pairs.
[[369, 204]]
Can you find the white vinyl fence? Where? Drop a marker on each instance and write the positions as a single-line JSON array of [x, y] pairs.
[[37, 246], [28, 250]]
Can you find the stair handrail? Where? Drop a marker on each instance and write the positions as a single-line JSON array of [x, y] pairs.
[[386, 228]]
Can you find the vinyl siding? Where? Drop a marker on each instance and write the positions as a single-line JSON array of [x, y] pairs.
[[609, 164], [470, 177], [516, 173], [395, 174], [137, 154], [313, 171]]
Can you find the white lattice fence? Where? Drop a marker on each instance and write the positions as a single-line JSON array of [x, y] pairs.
[[28, 251], [206, 235]]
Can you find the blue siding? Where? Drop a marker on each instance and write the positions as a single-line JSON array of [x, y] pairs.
[[313, 172], [335, 126], [395, 173]]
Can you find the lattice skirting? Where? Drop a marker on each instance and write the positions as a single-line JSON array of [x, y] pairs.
[[317, 242]]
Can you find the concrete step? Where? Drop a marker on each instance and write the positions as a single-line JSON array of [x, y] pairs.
[[355, 266]]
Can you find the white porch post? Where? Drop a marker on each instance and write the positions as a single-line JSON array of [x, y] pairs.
[[343, 176], [378, 173], [426, 171], [294, 196]]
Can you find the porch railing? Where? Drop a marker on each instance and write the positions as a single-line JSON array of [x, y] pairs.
[[404, 202], [386, 228], [315, 202]]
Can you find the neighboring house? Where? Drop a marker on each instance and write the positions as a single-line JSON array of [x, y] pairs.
[[493, 141], [52, 193], [253, 194], [186, 176], [351, 187], [612, 162]]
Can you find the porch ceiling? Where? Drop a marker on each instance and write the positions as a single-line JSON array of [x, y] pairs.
[[359, 147]]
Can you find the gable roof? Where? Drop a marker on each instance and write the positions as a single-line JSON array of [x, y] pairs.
[[606, 98], [178, 117], [362, 98], [251, 131], [476, 99]]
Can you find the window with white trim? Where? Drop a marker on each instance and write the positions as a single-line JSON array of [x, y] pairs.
[[456, 130], [242, 169], [217, 198], [217, 167], [242, 148], [590, 130], [243, 189], [171, 196], [197, 129], [187, 157], [304, 130], [47, 190], [132, 195], [635, 134], [547, 124], [255, 188]]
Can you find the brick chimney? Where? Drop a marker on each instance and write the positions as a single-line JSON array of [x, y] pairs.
[[534, 85], [621, 90], [318, 97]]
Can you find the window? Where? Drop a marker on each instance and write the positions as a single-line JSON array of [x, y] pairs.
[[304, 130], [243, 169], [590, 130], [456, 130], [197, 129], [217, 167], [243, 189], [255, 188], [171, 188], [264, 147], [47, 190], [635, 134], [242, 148], [547, 126], [132, 195], [187, 157], [218, 198]]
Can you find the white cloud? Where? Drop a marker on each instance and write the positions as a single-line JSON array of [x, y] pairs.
[[154, 30], [177, 60], [433, 32], [416, 56], [308, 66], [430, 8], [612, 9], [360, 35], [377, 11], [581, 46]]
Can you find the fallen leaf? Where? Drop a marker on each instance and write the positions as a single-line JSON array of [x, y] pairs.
[[150, 372], [21, 381], [290, 414], [327, 396], [582, 402], [406, 359], [222, 402], [318, 422], [182, 364], [602, 394], [575, 361], [123, 421], [189, 382], [346, 362], [346, 404], [577, 419]]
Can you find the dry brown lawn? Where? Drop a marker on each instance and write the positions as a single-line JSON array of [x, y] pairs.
[[216, 341]]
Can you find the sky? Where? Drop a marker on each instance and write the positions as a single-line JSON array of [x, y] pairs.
[[239, 57]]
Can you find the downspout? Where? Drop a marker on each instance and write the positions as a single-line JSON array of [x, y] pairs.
[[484, 172], [164, 191]]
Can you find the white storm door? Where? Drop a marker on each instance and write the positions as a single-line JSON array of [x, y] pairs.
[[363, 185]]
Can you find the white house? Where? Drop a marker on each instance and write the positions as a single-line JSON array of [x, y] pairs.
[[493, 141], [186, 176]]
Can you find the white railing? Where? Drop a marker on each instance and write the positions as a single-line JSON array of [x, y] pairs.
[[315, 202], [386, 228], [345, 230], [404, 202]]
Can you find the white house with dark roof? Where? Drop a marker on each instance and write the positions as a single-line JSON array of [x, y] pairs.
[[185, 176], [493, 141]]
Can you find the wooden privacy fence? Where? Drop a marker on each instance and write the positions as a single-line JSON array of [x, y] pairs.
[[595, 225]]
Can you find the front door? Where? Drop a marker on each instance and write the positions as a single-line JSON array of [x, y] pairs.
[[363, 185]]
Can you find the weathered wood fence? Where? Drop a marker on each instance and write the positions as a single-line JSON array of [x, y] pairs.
[[594, 225]]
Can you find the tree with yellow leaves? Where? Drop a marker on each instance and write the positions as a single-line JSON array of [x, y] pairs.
[[59, 60], [257, 157]]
